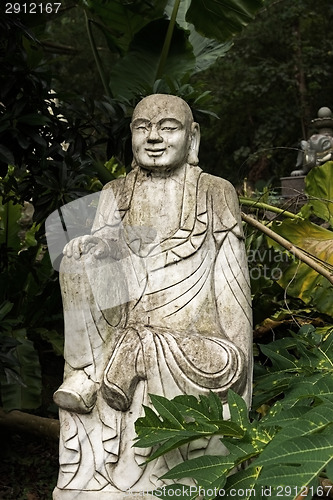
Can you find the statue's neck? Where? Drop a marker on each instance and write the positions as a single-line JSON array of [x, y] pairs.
[[157, 201], [162, 174]]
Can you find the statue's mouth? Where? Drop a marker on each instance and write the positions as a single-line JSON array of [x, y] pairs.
[[155, 152]]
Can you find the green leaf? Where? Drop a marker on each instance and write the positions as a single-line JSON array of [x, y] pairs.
[[244, 481], [137, 70], [23, 393], [205, 469], [123, 20], [317, 385], [10, 214], [168, 410], [54, 338], [238, 410], [34, 119], [312, 451], [319, 188], [280, 355], [329, 469], [221, 19], [6, 155], [205, 409], [5, 309], [171, 430], [205, 50], [299, 279]]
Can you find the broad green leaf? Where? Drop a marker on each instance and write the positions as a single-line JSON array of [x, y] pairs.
[[299, 279], [318, 385], [203, 410], [313, 421], [307, 451], [168, 410], [280, 417], [205, 50], [205, 469], [242, 482], [329, 469], [54, 338], [6, 155], [5, 309], [122, 20], [24, 393], [173, 442], [34, 119], [319, 188], [242, 450], [151, 437], [136, 72], [280, 356], [10, 214], [221, 19], [238, 410]]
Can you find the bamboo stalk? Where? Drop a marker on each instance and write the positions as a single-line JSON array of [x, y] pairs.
[[265, 206], [299, 254]]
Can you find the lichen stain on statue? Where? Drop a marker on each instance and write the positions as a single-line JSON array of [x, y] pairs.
[[156, 301]]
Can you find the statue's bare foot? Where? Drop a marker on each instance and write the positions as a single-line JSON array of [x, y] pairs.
[[116, 397], [78, 393]]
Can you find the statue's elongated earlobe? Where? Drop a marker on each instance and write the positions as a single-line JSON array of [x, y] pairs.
[[192, 158]]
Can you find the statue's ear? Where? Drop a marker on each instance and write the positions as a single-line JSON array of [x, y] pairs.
[[192, 158]]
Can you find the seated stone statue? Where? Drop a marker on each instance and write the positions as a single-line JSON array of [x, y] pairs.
[[156, 301]]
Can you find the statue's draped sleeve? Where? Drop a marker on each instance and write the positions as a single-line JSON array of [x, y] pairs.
[[231, 278]]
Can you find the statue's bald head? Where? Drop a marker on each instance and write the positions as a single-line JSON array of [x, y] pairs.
[[164, 134], [157, 105]]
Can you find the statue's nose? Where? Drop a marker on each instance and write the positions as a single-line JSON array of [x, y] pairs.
[[154, 135]]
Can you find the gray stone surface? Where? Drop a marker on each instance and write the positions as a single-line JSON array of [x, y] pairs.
[[318, 149], [156, 300]]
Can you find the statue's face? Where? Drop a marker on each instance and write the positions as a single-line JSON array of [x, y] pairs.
[[161, 132]]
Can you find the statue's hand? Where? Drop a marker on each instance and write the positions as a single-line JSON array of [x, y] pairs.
[[85, 244]]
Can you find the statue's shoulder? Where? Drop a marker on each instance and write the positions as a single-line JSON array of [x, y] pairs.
[[217, 185], [115, 184]]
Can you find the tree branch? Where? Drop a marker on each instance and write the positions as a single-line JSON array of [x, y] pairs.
[[25, 422]]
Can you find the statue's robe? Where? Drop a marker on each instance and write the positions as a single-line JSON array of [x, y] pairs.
[[161, 317]]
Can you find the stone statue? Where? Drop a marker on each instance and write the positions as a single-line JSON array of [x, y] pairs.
[[319, 148], [156, 301]]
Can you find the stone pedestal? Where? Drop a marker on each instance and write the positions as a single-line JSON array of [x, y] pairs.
[[293, 186]]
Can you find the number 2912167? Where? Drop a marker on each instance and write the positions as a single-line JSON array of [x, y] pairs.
[[31, 8]]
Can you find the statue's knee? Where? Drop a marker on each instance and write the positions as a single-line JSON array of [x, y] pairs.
[[72, 265]]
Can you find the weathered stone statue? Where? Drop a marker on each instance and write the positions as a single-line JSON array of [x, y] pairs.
[[319, 148], [156, 300]]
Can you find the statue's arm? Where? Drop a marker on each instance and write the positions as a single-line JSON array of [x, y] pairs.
[[105, 231]]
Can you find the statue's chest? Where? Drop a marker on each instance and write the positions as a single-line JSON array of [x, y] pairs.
[[156, 205]]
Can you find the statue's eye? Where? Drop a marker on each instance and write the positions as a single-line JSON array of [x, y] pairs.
[[168, 129]]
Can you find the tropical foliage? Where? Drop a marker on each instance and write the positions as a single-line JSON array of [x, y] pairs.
[[285, 449], [282, 454], [68, 84]]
